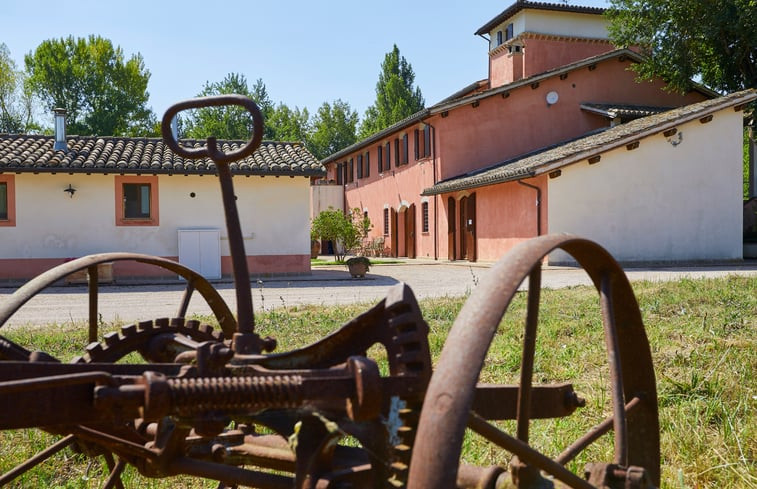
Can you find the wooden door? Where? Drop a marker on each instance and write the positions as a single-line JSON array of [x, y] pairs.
[[393, 231], [410, 231], [451, 217], [470, 228], [463, 225]]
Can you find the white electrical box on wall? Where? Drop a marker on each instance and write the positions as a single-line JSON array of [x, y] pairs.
[[200, 250]]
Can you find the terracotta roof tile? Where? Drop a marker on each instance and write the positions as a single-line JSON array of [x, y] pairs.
[[32, 153], [549, 158]]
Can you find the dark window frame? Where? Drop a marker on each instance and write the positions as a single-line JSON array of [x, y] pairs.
[[380, 158], [424, 217], [386, 221], [134, 195], [367, 163], [360, 166]]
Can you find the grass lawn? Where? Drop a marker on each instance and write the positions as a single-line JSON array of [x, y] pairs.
[[703, 335]]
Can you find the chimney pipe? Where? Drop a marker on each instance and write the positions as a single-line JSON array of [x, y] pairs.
[[60, 130]]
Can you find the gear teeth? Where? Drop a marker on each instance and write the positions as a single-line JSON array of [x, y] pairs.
[[192, 324], [144, 325], [94, 348], [177, 322], [129, 330], [79, 359], [206, 329], [162, 322], [111, 338]]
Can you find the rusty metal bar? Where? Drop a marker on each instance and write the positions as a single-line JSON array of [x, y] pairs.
[[526, 453], [93, 286], [616, 370], [529, 349], [36, 459], [497, 401], [593, 434], [228, 474], [182, 312], [114, 478]]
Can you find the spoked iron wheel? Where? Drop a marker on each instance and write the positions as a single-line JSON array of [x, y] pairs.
[[447, 408]]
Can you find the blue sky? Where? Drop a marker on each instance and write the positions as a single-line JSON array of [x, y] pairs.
[[306, 52]]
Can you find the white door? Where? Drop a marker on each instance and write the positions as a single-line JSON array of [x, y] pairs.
[[200, 250]]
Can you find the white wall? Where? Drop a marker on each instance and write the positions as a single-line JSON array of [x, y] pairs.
[[659, 202], [273, 212], [555, 23], [325, 196]]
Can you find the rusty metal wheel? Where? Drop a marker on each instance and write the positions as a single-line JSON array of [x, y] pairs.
[[447, 408]]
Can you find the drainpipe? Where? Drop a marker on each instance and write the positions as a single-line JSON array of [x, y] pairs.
[[436, 196], [538, 204]]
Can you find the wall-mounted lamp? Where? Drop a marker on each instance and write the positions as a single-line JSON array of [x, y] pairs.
[[71, 191]]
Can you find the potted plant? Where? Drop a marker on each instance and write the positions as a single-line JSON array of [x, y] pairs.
[[358, 266]]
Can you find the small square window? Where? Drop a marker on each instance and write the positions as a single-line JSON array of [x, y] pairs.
[[7, 200], [136, 200]]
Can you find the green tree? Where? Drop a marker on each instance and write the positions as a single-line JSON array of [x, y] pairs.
[[334, 128], [228, 122], [15, 101], [102, 92], [347, 231], [396, 98], [715, 41], [287, 124]]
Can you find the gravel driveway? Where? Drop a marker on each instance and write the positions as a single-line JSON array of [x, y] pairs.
[[328, 285]]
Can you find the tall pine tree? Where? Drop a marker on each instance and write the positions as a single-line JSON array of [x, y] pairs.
[[396, 98]]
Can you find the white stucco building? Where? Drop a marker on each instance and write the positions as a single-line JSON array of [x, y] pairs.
[[134, 195]]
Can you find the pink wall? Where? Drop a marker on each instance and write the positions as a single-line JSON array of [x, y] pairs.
[[501, 128], [543, 53], [510, 216], [25, 269]]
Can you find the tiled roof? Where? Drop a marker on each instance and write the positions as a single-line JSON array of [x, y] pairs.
[[93, 154], [553, 157], [522, 4], [467, 97], [626, 112]]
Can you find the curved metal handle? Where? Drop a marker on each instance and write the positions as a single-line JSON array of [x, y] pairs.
[[211, 148]]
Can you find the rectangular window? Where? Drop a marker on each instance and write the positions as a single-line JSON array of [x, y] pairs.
[[403, 156], [367, 162], [386, 222], [3, 201], [339, 174], [499, 38], [351, 172], [509, 32], [424, 214], [380, 158], [387, 157], [416, 140], [427, 141], [396, 152], [360, 166], [136, 200]]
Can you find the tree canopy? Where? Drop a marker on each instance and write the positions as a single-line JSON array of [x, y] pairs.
[[713, 41], [15, 104], [334, 128], [103, 92], [396, 98], [229, 122]]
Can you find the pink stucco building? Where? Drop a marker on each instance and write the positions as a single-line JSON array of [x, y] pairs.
[[554, 77]]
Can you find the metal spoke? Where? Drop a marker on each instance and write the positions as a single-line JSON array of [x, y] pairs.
[[37, 459], [593, 434], [529, 347], [616, 371], [525, 453]]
